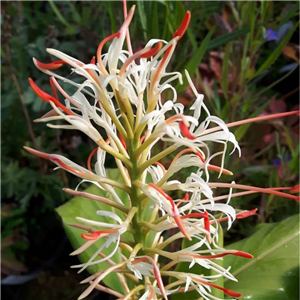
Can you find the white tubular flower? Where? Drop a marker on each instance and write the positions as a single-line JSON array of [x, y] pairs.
[[112, 235]]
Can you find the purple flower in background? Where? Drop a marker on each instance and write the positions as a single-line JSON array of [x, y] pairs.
[[279, 160], [271, 35]]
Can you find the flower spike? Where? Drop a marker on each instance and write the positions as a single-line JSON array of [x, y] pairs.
[[122, 104]]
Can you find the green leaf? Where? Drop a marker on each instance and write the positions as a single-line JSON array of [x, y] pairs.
[[87, 208], [225, 70], [58, 14], [194, 62], [273, 273], [225, 38]]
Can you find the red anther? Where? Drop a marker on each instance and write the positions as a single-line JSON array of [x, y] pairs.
[[50, 66], [122, 141], [206, 222], [183, 26], [99, 50], [185, 131], [152, 51], [242, 254], [90, 158], [295, 189], [199, 155], [93, 60], [46, 97], [142, 139], [186, 197], [95, 235], [246, 214]]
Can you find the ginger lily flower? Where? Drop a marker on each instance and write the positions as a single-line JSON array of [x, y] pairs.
[[124, 98]]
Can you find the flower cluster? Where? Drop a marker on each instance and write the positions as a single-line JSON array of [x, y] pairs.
[[125, 99]]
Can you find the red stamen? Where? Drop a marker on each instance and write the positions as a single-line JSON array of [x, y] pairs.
[[46, 97], [50, 66], [206, 222], [163, 194], [174, 210], [183, 26], [271, 191], [156, 273], [186, 197], [53, 158], [162, 167], [142, 139], [226, 291], [237, 253], [63, 165], [152, 292], [152, 51], [295, 189], [99, 51], [194, 215], [90, 158], [122, 141], [246, 214], [218, 169], [238, 216], [53, 88], [185, 131]]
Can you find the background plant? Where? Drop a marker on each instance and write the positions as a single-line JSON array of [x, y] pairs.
[[233, 63]]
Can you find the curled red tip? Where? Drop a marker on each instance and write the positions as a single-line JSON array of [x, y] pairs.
[[185, 131], [162, 193], [46, 97], [50, 66], [43, 95], [92, 236], [93, 60], [183, 26], [243, 254], [90, 158]]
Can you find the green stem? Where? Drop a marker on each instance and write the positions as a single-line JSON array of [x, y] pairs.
[[157, 157]]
